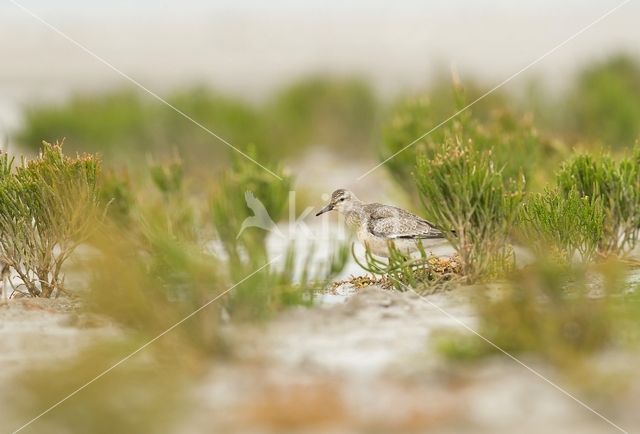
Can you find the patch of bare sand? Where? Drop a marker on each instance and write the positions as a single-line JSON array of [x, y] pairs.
[[366, 366], [42, 331], [360, 365]]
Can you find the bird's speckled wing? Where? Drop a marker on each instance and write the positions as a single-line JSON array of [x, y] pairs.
[[391, 222]]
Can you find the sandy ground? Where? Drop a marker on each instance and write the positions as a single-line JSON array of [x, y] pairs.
[[366, 365], [356, 362], [44, 331]]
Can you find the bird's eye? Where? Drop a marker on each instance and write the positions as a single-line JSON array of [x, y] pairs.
[[342, 199]]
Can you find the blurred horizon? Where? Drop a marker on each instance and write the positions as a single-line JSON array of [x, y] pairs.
[[248, 49], [261, 54]]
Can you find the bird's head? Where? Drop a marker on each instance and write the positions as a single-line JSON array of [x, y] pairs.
[[342, 201]]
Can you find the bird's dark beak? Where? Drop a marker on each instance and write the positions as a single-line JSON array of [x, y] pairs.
[[327, 208]]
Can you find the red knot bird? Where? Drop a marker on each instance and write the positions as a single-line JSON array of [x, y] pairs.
[[377, 224]]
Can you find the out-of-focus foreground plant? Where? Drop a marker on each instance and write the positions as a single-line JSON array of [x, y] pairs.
[[563, 313], [154, 279], [48, 206], [245, 193]]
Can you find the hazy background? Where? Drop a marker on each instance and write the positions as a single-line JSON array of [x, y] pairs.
[[248, 48], [314, 84]]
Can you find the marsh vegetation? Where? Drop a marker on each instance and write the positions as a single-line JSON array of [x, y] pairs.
[[150, 223]]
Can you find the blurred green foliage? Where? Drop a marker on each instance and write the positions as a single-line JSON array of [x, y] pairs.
[[148, 288], [284, 283], [343, 114], [338, 113], [115, 189], [604, 104], [555, 311], [235, 120], [516, 146], [244, 185], [125, 122], [162, 225], [138, 396], [93, 123], [176, 204], [152, 270]]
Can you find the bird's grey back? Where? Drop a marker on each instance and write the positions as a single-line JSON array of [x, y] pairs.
[[391, 222]]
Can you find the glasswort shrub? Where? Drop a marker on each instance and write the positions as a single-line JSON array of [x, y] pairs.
[[48, 206], [617, 186], [468, 197], [562, 224]]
